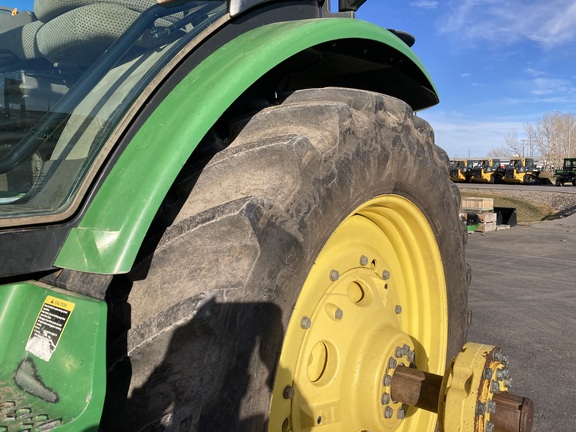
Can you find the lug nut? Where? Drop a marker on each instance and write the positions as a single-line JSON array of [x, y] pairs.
[[398, 309], [387, 381], [392, 363], [385, 399], [401, 414], [480, 408], [487, 374], [498, 355], [503, 374], [388, 412], [385, 275], [491, 406], [495, 387], [334, 275], [305, 323], [288, 392], [363, 260], [411, 355], [399, 352], [338, 314], [489, 427]]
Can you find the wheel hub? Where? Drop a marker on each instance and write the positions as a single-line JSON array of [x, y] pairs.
[[362, 313]]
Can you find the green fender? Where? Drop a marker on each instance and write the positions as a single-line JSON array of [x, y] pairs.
[[109, 235]]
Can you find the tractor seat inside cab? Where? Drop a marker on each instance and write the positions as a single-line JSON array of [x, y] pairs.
[[66, 31]]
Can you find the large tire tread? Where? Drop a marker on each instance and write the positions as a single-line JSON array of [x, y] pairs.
[[224, 272]]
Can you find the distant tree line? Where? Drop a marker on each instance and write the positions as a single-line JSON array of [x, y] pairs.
[[552, 138]]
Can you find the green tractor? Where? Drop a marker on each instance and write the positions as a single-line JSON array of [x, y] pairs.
[[224, 215], [567, 174]]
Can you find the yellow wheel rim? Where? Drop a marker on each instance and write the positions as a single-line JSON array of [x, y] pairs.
[[375, 294]]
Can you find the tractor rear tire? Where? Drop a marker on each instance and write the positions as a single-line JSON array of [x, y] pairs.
[[335, 203]]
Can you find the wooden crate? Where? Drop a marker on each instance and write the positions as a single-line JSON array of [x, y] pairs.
[[487, 217], [486, 227], [477, 204]]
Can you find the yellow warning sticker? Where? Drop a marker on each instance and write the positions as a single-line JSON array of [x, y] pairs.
[[49, 327]]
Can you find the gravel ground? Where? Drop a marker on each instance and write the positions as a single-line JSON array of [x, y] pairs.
[[523, 299]]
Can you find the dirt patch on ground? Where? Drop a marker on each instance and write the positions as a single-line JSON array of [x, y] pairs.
[[531, 206]]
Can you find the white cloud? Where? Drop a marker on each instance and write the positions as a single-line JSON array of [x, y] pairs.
[[549, 23], [460, 136], [534, 72], [425, 4], [549, 86]]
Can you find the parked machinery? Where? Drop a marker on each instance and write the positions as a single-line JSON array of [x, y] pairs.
[[485, 171], [567, 174], [520, 171], [460, 170]]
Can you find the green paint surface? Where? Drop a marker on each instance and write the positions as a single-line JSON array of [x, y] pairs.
[[70, 384]]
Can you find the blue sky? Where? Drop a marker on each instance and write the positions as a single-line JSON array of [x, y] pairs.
[[497, 64]]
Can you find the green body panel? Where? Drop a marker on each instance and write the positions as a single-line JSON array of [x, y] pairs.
[[111, 232], [70, 384]]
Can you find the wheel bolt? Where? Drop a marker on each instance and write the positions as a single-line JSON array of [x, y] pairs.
[[363, 260], [385, 399], [489, 427], [487, 373], [334, 275], [392, 363], [503, 374], [387, 381], [495, 387], [399, 352], [288, 392], [498, 355], [385, 275], [388, 412], [401, 414], [480, 408], [305, 323], [491, 406]]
